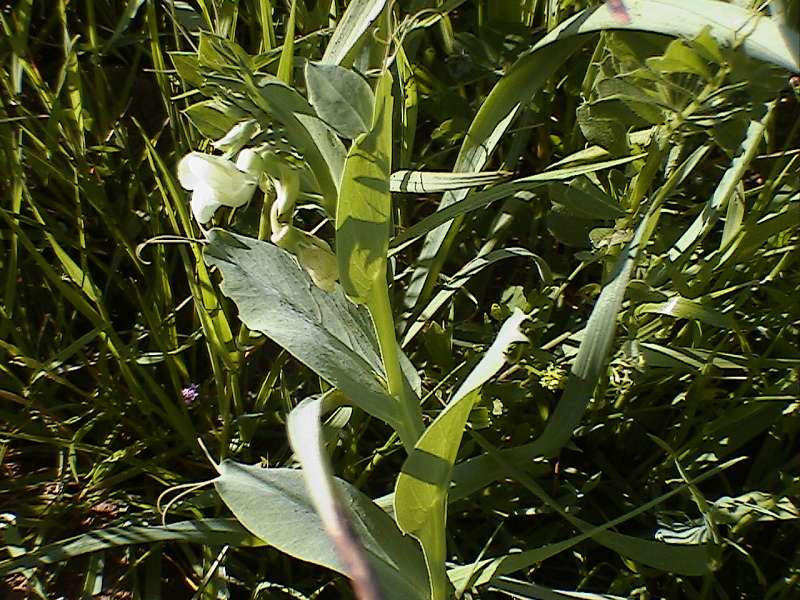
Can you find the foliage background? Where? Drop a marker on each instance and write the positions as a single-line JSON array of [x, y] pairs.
[[99, 349]]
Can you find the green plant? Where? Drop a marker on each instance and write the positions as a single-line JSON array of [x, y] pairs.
[[628, 396]]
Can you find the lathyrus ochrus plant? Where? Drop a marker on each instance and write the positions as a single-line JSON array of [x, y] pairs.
[[329, 140]]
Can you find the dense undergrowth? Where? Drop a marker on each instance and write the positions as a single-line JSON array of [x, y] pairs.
[[638, 200]]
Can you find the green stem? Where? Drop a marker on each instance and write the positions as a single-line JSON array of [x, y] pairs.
[[410, 426], [435, 546]]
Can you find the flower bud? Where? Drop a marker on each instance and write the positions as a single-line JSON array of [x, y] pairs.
[[315, 256], [238, 137]]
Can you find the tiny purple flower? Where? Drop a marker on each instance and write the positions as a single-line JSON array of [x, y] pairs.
[[190, 393]]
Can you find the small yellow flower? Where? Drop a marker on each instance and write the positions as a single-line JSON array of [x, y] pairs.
[[553, 378]]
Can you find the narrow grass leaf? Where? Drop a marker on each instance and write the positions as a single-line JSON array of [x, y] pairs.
[[482, 199], [128, 15], [428, 182], [495, 115], [683, 308], [357, 19], [464, 275], [286, 63], [712, 211], [525, 590], [593, 351], [203, 531], [691, 560]]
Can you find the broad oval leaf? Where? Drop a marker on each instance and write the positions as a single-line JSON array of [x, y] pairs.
[[370, 571], [320, 147], [327, 332], [341, 97], [584, 200], [274, 505]]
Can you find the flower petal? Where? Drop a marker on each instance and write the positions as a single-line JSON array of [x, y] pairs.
[[251, 162], [197, 168], [204, 204], [216, 182], [187, 171], [238, 196]]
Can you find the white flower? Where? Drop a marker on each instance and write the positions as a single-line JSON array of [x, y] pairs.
[[253, 163], [214, 182]]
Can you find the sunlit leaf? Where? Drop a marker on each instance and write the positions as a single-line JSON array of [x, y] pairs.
[[420, 500], [363, 215], [385, 556], [274, 505], [341, 97]]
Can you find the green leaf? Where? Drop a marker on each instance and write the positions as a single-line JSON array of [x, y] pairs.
[[420, 499], [483, 198], [355, 22], [429, 182], [188, 67], [680, 58], [704, 223], [686, 560], [286, 63], [526, 590], [398, 559], [128, 15], [602, 129], [581, 198], [595, 153], [320, 147], [363, 221], [363, 215], [683, 308], [274, 505], [495, 115], [218, 53], [214, 119], [569, 230], [728, 24], [464, 274], [755, 506], [596, 344], [203, 531], [324, 330], [341, 97], [633, 96]]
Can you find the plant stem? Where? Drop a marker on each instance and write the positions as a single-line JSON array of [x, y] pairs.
[[380, 308]]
